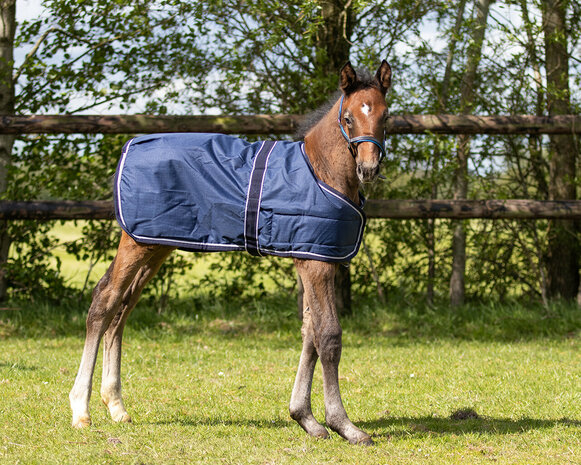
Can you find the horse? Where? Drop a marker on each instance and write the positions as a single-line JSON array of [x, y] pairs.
[[344, 149]]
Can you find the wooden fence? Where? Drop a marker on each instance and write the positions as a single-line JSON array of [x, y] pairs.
[[287, 124], [514, 209], [282, 124]]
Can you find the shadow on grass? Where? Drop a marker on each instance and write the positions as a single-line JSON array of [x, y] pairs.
[[398, 321], [243, 423], [17, 366], [438, 426], [398, 427]]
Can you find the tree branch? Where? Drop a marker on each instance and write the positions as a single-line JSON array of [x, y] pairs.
[[30, 54]]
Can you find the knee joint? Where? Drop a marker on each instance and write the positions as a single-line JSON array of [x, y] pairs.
[[329, 345]]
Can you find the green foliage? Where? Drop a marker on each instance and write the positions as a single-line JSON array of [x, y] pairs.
[[69, 168], [267, 57]]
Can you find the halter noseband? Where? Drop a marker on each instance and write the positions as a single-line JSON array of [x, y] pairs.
[[353, 142]]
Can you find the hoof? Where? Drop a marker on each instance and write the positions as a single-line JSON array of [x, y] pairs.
[[351, 433], [319, 432], [311, 426], [122, 418], [365, 441], [82, 422], [117, 410]]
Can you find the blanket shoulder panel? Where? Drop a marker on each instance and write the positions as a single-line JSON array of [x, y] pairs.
[[303, 217]]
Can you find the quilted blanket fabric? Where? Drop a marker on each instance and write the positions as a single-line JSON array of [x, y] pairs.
[[208, 192]]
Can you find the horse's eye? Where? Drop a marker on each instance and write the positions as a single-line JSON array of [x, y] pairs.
[[386, 115], [349, 121]]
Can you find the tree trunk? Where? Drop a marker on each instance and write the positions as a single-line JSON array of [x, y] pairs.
[[457, 285], [444, 91], [334, 34], [538, 164], [441, 108], [457, 282], [7, 29], [334, 38], [343, 290], [563, 251]]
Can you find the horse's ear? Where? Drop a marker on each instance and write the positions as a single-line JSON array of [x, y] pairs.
[[348, 78], [383, 76]]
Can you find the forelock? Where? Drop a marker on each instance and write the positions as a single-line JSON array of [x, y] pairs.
[[365, 80]]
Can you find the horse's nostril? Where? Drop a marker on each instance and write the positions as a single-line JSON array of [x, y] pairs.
[[367, 172]]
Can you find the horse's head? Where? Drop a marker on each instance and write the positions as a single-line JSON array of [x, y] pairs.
[[362, 116]]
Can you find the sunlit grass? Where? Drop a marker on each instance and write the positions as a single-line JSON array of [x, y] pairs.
[[223, 398], [209, 382], [75, 272]]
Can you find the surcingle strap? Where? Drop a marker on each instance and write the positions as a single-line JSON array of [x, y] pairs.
[[254, 197]]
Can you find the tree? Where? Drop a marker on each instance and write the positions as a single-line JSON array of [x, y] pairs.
[[82, 55], [333, 40], [271, 56], [7, 30], [563, 251], [173, 56], [441, 107], [463, 151]]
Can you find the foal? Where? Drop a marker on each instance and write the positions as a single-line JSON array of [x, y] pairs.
[[344, 149]]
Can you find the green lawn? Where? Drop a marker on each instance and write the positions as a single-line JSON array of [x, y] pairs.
[[75, 271], [209, 382]]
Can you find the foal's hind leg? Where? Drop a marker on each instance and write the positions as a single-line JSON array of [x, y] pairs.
[[318, 281], [112, 339], [300, 404], [106, 303]]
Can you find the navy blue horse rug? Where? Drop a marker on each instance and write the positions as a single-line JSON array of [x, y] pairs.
[[207, 192]]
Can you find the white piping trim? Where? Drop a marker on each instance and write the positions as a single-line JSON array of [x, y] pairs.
[[176, 242], [260, 197], [121, 165], [248, 195]]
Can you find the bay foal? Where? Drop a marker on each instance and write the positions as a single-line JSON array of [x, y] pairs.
[[345, 148]]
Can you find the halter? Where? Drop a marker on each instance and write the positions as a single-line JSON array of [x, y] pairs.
[[353, 142]]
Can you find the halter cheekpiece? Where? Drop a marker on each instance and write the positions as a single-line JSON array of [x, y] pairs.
[[353, 142]]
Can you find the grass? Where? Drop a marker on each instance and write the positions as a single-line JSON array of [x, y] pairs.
[[209, 382]]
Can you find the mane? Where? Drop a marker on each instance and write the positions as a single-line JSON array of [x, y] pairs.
[[311, 119], [366, 81]]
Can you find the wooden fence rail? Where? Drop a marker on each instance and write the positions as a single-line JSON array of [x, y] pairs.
[[282, 124], [287, 124], [513, 209]]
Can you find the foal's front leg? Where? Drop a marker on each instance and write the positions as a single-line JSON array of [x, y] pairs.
[[318, 280], [300, 404]]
